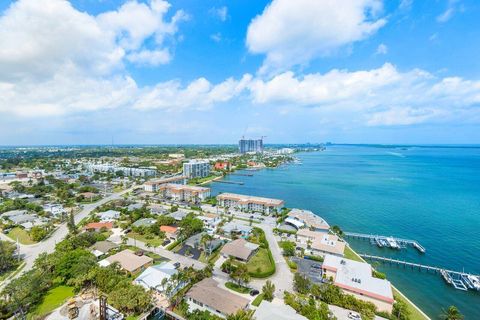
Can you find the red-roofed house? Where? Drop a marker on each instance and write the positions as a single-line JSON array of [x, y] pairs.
[[170, 232]]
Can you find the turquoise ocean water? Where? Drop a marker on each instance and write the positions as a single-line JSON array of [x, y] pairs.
[[431, 195]]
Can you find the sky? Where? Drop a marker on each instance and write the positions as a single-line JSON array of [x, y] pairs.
[[189, 71]]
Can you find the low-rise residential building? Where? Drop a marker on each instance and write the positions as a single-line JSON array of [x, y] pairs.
[[210, 223], [249, 203], [321, 243], [179, 192], [222, 165], [278, 311], [206, 295], [178, 215], [171, 232], [356, 278], [54, 209], [109, 215], [98, 226], [196, 169], [128, 261], [305, 218], [235, 228], [154, 185], [101, 248], [239, 249], [144, 222], [153, 278]]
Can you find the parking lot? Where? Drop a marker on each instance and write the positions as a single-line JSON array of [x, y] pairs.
[[309, 268]]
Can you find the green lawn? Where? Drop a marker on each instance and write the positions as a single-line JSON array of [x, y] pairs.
[[156, 241], [54, 299], [350, 254], [258, 300], [21, 234], [235, 287], [259, 262]]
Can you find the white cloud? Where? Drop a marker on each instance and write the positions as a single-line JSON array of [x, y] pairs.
[[382, 49], [452, 8], [295, 32], [200, 94], [217, 37], [221, 13], [375, 95], [150, 57], [56, 59]]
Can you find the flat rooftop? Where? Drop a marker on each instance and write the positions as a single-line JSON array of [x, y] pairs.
[[250, 199]]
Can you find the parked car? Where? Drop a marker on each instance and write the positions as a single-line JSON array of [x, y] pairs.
[[354, 316], [254, 292]]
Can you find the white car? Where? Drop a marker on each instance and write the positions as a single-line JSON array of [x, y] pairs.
[[354, 316]]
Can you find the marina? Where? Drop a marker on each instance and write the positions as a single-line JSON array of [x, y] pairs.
[[387, 242], [459, 280]]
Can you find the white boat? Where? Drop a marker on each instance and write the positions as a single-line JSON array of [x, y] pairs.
[[475, 281], [392, 243]]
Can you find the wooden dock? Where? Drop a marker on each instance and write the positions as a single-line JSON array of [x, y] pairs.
[[242, 174], [377, 238], [455, 278]]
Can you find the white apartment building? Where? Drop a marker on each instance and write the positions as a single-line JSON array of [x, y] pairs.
[[154, 185], [196, 169], [249, 203], [356, 278], [127, 171], [179, 192]]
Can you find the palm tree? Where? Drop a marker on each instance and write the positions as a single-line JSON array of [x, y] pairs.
[[241, 315], [452, 313], [206, 238], [268, 290]]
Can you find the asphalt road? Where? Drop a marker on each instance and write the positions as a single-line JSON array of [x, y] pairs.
[[31, 252]]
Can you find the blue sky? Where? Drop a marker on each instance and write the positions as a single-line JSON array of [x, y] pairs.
[[189, 71]]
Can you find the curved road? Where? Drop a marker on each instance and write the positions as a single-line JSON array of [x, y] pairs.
[[31, 252]]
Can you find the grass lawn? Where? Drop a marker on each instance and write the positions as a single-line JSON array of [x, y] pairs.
[[259, 262], [235, 287], [258, 300], [350, 254], [21, 234], [54, 299], [156, 241]]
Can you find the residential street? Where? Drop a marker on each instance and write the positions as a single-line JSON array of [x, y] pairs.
[[31, 252]]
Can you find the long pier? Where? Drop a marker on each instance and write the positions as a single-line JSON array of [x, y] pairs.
[[228, 182], [242, 174], [385, 241], [459, 280]]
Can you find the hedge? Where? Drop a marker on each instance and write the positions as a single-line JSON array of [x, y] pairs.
[[172, 245]]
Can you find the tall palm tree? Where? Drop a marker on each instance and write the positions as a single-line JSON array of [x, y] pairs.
[[241, 315], [452, 313]]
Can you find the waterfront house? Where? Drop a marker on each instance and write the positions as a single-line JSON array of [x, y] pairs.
[[320, 243], [305, 218], [207, 295], [356, 278], [239, 249]]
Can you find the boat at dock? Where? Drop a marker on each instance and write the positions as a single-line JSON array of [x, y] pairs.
[[392, 243], [473, 282]]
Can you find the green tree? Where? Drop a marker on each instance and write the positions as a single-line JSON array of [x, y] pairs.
[[130, 299], [240, 274], [336, 229], [400, 310], [7, 256], [288, 248], [452, 313], [241, 315], [72, 228], [38, 233], [301, 283], [268, 290]]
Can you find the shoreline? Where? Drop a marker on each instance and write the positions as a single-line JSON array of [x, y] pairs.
[[394, 289]]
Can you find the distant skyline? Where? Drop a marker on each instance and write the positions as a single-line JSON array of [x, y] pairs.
[[209, 72]]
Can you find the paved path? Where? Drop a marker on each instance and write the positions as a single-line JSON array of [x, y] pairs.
[[31, 252]]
